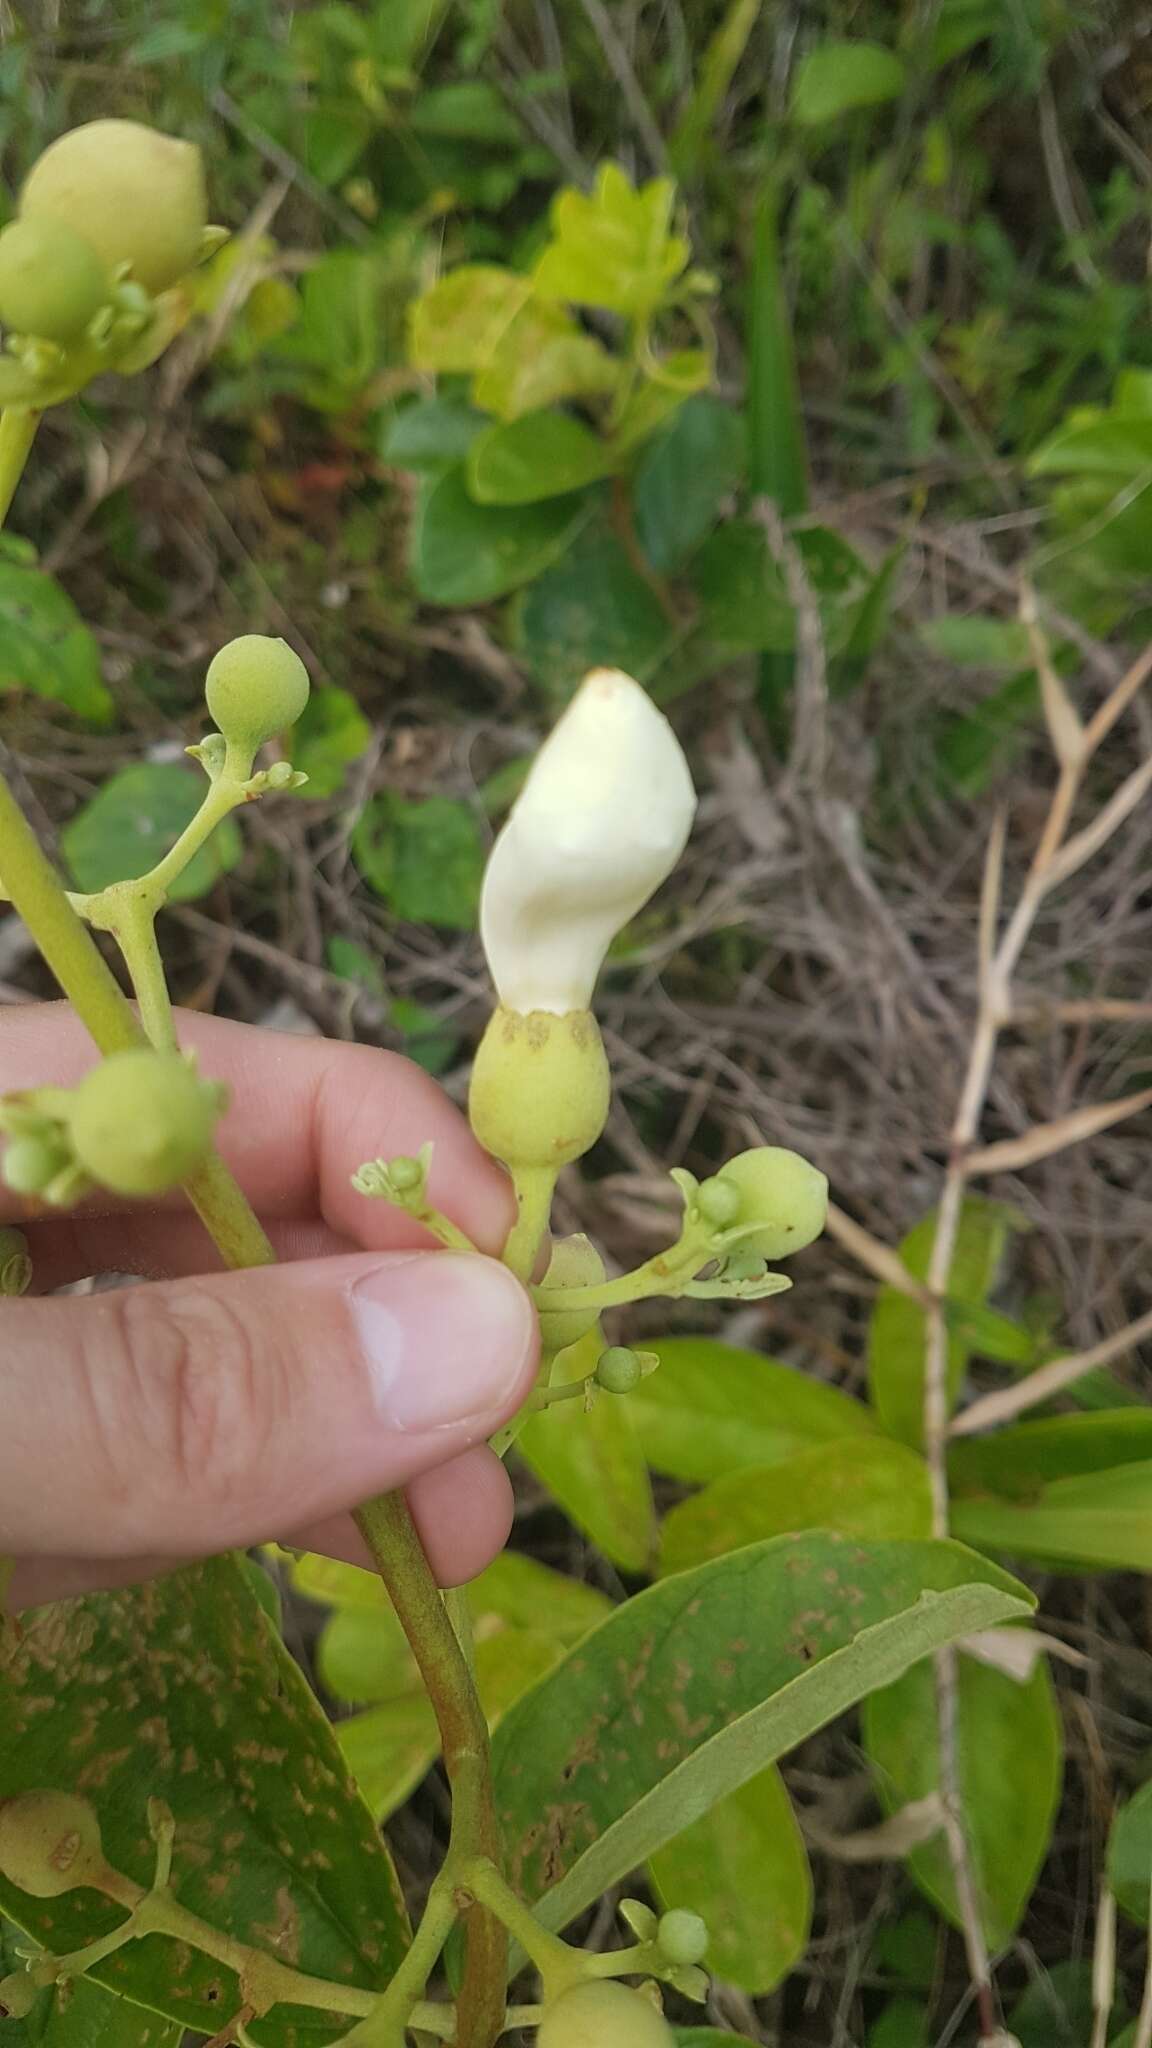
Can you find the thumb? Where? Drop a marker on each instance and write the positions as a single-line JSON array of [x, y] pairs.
[[199, 1415]]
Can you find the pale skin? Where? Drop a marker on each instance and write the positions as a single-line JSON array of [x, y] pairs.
[[201, 1410]]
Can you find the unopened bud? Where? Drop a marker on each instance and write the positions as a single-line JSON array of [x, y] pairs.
[[682, 1936], [136, 196], [52, 282], [405, 1175], [603, 2015], [143, 1121], [50, 1843], [782, 1195], [719, 1203], [256, 686], [32, 1164], [18, 1994]]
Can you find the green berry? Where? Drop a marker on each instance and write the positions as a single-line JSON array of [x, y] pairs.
[[780, 1193], [682, 1936], [50, 1843], [603, 2015], [575, 1262], [18, 1994], [51, 281], [137, 197], [256, 686], [31, 1163], [618, 1370], [143, 1121]]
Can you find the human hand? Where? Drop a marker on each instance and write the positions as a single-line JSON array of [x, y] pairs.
[[204, 1411]]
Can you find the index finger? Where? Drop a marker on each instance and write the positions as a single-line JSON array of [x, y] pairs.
[[304, 1114]]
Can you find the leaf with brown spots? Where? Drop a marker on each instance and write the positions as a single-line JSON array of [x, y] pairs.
[[696, 1685], [81, 2015], [181, 1690]]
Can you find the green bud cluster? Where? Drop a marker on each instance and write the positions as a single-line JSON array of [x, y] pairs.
[[50, 1843], [256, 687], [603, 2015], [143, 1121], [781, 1202], [134, 196]]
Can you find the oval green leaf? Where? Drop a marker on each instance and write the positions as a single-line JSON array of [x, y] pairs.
[[1098, 1519], [134, 819], [1130, 1855], [594, 1466], [542, 455], [744, 1869], [1011, 1756], [865, 1486], [839, 77], [45, 647], [464, 553], [696, 1685], [712, 1408]]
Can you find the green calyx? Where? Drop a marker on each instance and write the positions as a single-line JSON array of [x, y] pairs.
[[135, 196], [540, 1087], [52, 282], [50, 1843], [143, 1121], [575, 1262], [782, 1201], [604, 2015], [256, 687]]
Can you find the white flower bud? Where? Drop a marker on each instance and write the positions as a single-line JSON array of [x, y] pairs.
[[601, 821]]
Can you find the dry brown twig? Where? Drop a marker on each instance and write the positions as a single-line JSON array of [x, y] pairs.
[[1057, 856]]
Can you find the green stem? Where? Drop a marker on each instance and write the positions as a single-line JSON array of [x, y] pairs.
[[667, 1273], [559, 1965], [18, 424], [535, 1187], [398, 1554], [135, 933], [224, 796]]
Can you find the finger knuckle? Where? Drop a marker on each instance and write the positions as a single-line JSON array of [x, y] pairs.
[[199, 1381]]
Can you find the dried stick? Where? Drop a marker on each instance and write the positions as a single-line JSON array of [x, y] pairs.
[[1050, 1379], [1056, 856], [1103, 1968]]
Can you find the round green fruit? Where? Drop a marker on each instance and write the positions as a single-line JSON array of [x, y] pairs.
[[256, 686], [618, 1370], [143, 1121], [603, 2015], [136, 196], [575, 1262], [18, 1994], [51, 280], [781, 1194], [50, 1843], [31, 1163]]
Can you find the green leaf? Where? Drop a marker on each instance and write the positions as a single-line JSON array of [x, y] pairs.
[[425, 857], [896, 1338], [469, 109], [686, 473], [464, 553], [133, 820], [332, 731], [1019, 1461], [716, 69], [541, 357], [712, 1408], [985, 741], [1112, 445], [593, 1464], [1011, 1761], [744, 1869], [181, 1690], [590, 609], [458, 323], [427, 1039], [728, 1668], [838, 77], [903, 2024], [861, 1486], [432, 434], [1056, 2010], [614, 247], [777, 443], [542, 455], [356, 964], [655, 399], [348, 327], [1098, 1518], [745, 605], [977, 642], [81, 2014], [1130, 1855], [46, 649]]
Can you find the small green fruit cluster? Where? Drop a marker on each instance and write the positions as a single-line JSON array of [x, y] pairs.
[[256, 687], [50, 1843], [604, 2015], [773, 1196], [143, 1121]]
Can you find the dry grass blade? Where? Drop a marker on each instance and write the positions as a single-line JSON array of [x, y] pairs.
[[1065, 725], [890, 1841], [1076, 851], [991, 893], [1117, 701], [1045, 1139], [1049, 1380], [1103, 1968]]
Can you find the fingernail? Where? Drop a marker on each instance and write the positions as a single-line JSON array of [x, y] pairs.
[[447, 1338]]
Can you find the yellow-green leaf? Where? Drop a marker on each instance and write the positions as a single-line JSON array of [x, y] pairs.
[[713, 1408], [863, 1486], [614, 247], [744, 1869]]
